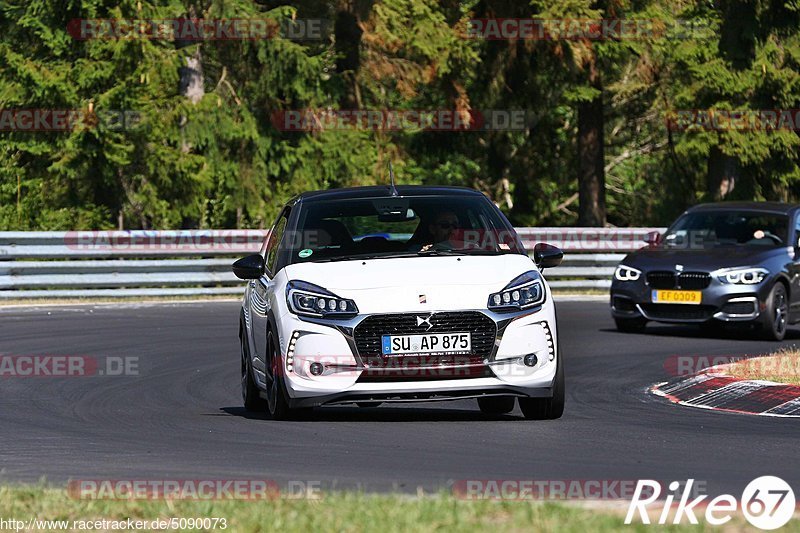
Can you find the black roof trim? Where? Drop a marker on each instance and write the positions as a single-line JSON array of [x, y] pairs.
[[377, 191], [767, 207]]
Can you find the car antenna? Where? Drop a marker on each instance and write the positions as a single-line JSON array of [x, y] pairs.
[[392, 188]]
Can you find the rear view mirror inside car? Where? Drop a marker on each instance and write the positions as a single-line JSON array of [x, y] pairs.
[[394, 210]]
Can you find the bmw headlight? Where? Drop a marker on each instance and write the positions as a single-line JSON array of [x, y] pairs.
[[626, 273], [743, 276], [307, 299], [523, 292]]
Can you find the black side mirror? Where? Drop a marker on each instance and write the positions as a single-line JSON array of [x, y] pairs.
[[249, 267], [653, 238], [547, 255]]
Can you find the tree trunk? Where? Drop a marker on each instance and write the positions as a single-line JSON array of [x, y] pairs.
[[737, 45], [722, 173], [190, 82], [191, 77], [347, 45], [591, 168]]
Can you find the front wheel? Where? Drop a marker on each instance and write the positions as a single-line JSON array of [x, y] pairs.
[[250, 397], [547, 408], [775, 317]]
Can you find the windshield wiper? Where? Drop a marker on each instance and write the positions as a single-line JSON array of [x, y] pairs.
[[343, 258], [458, 251], [387, 255], [434, 252], [393, 255]]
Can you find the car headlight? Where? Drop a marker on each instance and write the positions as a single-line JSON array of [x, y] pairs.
[[523, 292], [743, 276], [626, 273], [307, 299]]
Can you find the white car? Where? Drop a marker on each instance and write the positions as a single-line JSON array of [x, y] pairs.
[[395, 294]]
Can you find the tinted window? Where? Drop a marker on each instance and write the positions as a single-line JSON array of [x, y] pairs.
[[274, 241], [714, 228], [796, 233], [404, 226]]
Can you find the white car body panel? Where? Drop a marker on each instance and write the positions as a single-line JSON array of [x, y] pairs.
[[395, 285]]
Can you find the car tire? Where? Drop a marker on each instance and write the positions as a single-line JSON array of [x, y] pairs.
[[496, 405], [277, 397], [631, 325], [775, 319], [250, 394], [547, 408]]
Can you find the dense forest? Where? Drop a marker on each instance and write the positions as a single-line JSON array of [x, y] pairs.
[[619, 126]]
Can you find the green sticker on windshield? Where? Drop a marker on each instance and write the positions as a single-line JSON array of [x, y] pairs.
[[305, 253]]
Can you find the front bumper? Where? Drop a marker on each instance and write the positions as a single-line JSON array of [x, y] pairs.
[[723, 302], [349, 376]]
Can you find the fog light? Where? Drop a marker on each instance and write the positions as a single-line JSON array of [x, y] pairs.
[[530, 359], [316, 369]]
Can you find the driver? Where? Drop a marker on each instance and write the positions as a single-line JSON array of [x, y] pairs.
[[441, 231], [443, 227]]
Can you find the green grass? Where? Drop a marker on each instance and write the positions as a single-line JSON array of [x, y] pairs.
[[350, 512], [782, 366]]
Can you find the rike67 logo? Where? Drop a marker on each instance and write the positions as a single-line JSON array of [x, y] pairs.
[[767, 503]]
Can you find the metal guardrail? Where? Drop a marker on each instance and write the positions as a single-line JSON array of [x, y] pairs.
[[137, 263]]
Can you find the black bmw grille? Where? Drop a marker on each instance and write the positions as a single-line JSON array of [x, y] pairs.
[[678, 311], [662, 279], [368, 333], [694, 280]]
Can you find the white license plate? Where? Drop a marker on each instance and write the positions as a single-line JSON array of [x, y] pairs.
[[459, 343]]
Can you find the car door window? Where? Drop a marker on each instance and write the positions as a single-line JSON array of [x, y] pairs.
[[274, 243], [796, 242]]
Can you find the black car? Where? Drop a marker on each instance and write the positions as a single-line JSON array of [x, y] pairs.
[[718, 263]]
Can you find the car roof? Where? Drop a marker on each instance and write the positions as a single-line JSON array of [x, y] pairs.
[[378, 191], [767, 207]]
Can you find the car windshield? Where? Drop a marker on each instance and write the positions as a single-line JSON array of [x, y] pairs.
[[719, 228], [331, 230]]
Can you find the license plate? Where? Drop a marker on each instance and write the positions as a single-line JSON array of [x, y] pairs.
[[678, 297], [458, 343]]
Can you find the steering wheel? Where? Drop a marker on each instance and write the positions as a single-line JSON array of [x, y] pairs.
[[768, 235]]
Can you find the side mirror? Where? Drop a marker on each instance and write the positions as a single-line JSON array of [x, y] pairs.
[[249, 267], [547, 255], [653, 238]]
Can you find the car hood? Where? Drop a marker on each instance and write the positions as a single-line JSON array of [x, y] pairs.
[[398, 284], [707, 259]]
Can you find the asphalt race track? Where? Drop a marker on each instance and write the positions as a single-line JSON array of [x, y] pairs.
[[181, 418]]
